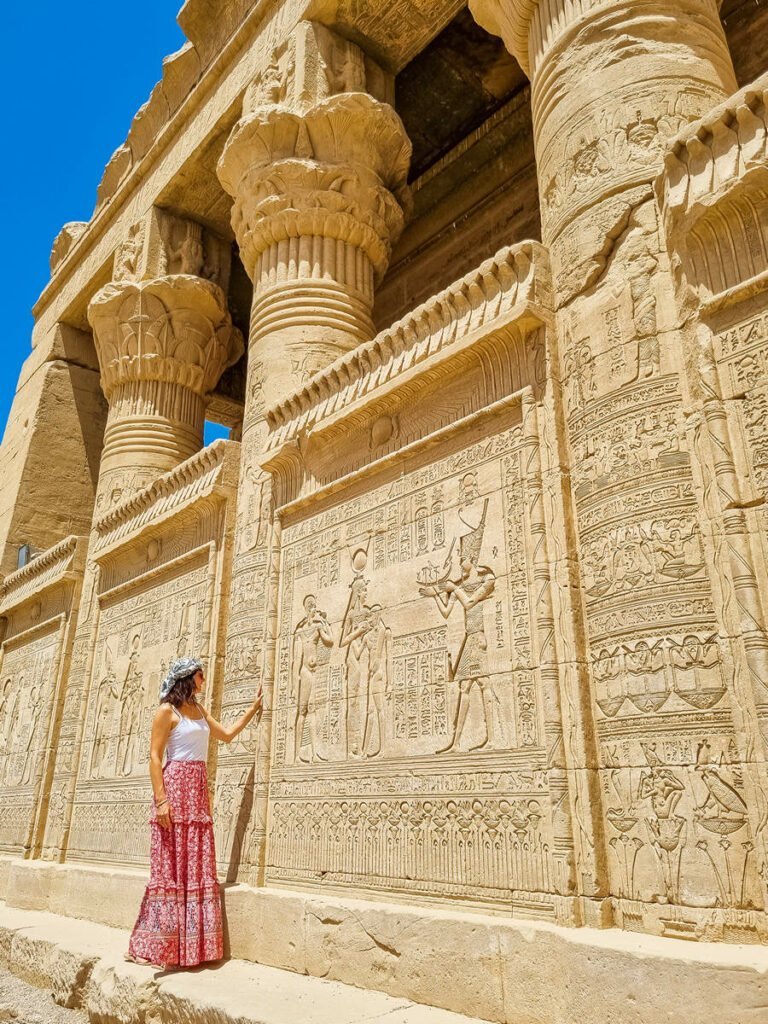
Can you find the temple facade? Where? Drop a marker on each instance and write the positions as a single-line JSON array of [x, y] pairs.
[[480, 293]]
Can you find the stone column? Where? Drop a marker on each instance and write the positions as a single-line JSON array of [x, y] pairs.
[[610, 83], [318, 168], [611, 80], [163, 337]]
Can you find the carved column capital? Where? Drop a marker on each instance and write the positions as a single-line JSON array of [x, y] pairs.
[[171, 330], [337, 170], [163, 342]]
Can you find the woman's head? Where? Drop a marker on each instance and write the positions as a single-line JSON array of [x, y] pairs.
[[183, 682]]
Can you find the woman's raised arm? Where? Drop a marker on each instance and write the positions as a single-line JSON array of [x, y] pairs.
[[226, 733]]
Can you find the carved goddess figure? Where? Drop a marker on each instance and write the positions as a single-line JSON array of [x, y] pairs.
[[35, 710], [476, 585], [354, 626], [130, 712], [180, 919], [378, 641], [312, 630]]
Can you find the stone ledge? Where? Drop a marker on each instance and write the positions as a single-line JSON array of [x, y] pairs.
[[492, 967], [83, 966]]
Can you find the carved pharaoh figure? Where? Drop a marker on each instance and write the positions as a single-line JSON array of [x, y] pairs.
[[476, 585]]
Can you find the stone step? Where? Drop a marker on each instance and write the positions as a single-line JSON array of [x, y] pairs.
[[82, 964]]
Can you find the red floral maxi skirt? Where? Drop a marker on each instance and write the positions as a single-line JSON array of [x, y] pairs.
[[179, 923]]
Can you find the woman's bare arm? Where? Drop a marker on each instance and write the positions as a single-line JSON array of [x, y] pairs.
[[226, 733], [162, 724]]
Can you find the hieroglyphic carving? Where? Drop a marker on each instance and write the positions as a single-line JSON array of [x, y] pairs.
[[138, 635], [712, 196], [28, 670], [461, 686]]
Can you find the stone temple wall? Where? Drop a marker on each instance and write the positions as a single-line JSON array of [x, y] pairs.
[[499, 566]]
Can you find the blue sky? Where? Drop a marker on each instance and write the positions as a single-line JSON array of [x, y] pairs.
[[72, 77]]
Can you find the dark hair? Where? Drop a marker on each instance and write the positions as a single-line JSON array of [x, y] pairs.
[[182, 691]]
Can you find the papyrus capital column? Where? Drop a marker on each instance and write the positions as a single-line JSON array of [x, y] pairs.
[[163, 337], [317, 167], [611, 80]]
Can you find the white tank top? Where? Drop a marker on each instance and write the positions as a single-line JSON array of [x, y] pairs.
[[188, 740]]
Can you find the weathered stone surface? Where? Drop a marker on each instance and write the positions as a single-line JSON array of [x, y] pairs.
[[492, 536], [82, 963], [65, 240]]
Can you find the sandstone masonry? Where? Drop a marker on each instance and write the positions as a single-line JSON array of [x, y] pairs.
[[481, 294]]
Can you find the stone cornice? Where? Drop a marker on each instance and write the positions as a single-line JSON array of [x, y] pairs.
[[517, 276], [709, 159], [198, 477], [46, 570], [234, 48]]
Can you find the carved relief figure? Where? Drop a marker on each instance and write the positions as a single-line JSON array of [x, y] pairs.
[[647, 685], [580, 371], [28, 746], [130, 712], [108, 696], [475, 586], [641, 267], [591, 160], [257, 505], [354, 626], [720, 814], [659, 785], [189, 253], [378, 642], [312, 630], [12, 728], [8, 704]]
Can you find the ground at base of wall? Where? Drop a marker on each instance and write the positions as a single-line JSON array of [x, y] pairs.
[[80, 976], [22, 1003]]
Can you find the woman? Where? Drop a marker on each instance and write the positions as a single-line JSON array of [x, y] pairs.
[[179, 923]]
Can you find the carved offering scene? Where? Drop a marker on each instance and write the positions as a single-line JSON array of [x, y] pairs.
[[411, 735]]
